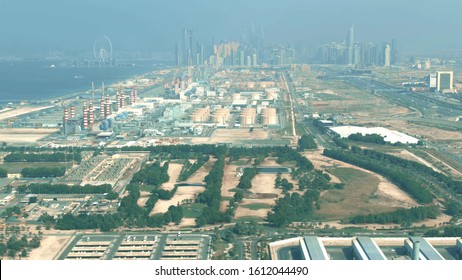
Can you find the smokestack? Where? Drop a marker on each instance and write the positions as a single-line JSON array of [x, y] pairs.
[[102, 109], [66, 115], [85, 114], [73, 112], [91, 113], [119, 103], [108, 106], [416, 251]]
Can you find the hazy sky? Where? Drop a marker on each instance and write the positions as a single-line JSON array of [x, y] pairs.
[[154, 25]]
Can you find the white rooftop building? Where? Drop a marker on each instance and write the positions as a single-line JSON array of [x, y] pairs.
[[390, 136]]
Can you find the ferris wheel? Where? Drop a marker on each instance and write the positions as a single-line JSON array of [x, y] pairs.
[[102, 49]]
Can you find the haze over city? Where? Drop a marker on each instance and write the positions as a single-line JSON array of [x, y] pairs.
[[28, 26]]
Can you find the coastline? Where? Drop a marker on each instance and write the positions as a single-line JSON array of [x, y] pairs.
[[65, 94]]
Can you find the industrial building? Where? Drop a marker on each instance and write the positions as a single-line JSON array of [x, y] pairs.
[[365, 248], [444, 81], [138, 246], [314, 249], [423, 250], [459, 245], [310, 248], [390, 136]]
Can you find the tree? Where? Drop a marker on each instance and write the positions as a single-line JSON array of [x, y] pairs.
[[277, 182], [3, 173], [2, 249], [24, 253], [306, 142], [12, 254], [112, 195], [34, 242]]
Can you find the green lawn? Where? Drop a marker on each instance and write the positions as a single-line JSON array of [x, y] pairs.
[[256, 206], [357, 197], [249, 219], [192, 210], [16, 167], [147, 188]]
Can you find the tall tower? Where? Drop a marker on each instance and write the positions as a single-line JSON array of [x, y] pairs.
[[184, 47], [387, 56], [350, 45]]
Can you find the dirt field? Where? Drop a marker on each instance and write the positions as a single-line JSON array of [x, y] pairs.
[[232, 135], [24, 135], [181, 194], [229, 182], [174, 170], [49, 248], [144, 196], [188, 222], [390, 195], [22, 111], [263, 192], [198, 176]]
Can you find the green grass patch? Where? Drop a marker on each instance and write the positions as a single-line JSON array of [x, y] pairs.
[[219, 247], [241, 162], [249, 219], [147, 188], [256, 206], [356, 198], [16, 167], [192, 210]]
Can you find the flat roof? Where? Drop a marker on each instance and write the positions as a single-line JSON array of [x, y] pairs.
[[391, 136], [315, 248], [426, 248], [371, 249]]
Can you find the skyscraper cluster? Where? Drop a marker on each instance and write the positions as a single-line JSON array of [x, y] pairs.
[[189, 52], [358, 54], [250, 51]]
